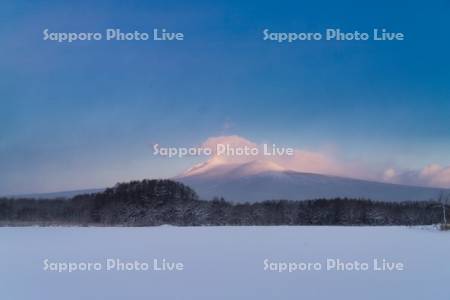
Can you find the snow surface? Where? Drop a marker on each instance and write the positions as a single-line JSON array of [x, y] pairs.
[[224, 262]]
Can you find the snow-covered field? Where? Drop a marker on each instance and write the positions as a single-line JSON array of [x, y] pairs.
[[224, 263]]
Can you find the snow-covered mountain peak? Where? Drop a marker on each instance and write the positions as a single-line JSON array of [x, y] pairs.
[[217, 166]]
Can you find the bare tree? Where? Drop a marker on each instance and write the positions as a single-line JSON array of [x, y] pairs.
[[444, 201]]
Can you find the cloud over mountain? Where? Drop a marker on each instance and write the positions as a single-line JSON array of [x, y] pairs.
[[302, 160], [431, 175]]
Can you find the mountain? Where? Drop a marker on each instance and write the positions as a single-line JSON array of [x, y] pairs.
[[265, 180], [56, 195], [261, 180]]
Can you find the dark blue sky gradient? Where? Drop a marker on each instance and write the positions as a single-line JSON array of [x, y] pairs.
[[85, 114]]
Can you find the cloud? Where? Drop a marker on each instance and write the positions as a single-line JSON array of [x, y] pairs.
[[299, 160], [321, 162], [433, 175]]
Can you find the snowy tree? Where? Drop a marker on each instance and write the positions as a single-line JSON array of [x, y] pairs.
[[444, 201]]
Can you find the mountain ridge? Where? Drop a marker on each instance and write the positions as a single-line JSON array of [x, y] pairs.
[[259, 181]]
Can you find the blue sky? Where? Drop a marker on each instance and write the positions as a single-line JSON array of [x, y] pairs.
[[85, 114]]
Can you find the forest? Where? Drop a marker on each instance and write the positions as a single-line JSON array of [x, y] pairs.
[[158, 202]]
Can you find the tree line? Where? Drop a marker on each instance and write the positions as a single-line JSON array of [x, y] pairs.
[[158, 202]]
